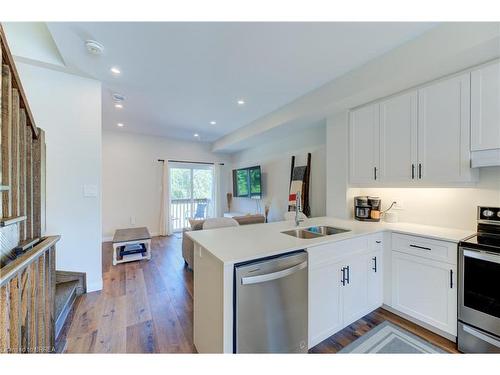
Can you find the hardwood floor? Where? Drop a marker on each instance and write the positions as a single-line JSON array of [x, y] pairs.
[[147, 307]]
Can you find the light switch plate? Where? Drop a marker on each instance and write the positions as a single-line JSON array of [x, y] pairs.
[[90, 191]]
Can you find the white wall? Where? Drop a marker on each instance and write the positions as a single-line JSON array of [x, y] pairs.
[[447, 207], [132, 176], [68, 108], [274, 157]]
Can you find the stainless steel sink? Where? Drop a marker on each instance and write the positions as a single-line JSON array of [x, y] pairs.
[[302, 233], [326, 230], [314, 232]]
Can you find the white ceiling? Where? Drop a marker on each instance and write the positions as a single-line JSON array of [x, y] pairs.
[[177, 77]]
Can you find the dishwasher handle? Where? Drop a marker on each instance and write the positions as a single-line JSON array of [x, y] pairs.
[[273, 276]]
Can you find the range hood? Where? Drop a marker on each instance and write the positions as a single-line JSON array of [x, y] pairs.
[[485, 158]]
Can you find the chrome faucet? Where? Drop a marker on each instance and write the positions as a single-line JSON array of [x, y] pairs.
[[298, 209]]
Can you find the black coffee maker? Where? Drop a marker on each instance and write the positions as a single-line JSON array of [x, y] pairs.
[[367, 208]]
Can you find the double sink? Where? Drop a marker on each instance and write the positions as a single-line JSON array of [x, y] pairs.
[[314, 232]]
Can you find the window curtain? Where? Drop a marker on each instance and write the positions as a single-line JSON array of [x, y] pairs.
[[217, 190], [165, 218]]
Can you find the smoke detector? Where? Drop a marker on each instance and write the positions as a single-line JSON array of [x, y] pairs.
[[94, 48], [118, 98]]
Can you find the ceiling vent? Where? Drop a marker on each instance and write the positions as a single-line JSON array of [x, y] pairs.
[[118, 98], [94, 48]]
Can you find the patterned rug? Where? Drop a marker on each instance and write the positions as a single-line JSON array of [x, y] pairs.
[[388, 338]]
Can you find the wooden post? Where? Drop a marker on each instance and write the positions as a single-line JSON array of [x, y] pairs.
[[14, 184], [22, 172], [29, 184], [6, 137], [37, 183]]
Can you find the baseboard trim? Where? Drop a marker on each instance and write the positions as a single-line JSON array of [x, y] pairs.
[[94, 286]]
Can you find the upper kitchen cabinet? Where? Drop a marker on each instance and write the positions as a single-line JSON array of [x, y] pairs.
[[364, 140], [398, 138], [444, 131], [485, 115]]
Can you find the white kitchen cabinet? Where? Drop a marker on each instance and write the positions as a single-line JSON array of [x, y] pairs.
[[343, 286], [444, 131], [398, 138], [375, 279], [364, 137], [425, 289], [325, 311], [485, 115], [485, 107], [355, 291]]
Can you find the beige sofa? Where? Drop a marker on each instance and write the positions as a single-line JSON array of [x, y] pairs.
[[187, 243]]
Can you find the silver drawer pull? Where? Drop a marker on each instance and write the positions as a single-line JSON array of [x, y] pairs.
[[273, 275], [421, 247]]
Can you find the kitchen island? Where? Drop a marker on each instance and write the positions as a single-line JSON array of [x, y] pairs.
[[216, 252]]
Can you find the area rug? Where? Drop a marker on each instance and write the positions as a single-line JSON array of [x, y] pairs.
[[388, 338]]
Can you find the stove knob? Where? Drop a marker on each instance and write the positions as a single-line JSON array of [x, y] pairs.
[[498, 213], [488, 213]]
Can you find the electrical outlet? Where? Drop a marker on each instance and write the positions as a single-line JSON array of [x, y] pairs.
[[132, 220], [399, 205]]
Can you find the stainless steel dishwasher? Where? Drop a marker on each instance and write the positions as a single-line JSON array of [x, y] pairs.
[[270, 309]]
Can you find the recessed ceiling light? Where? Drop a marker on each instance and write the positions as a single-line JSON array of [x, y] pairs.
[[120, 125], [117, 97], [213, 122], [94, 47], [115, 70], [196, 135], [118, 105], [241, 102]]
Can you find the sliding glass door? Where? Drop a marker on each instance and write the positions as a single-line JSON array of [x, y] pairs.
[[191, 193]]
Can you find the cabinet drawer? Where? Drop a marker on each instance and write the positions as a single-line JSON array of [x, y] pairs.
[[327, 253], [425, 247]]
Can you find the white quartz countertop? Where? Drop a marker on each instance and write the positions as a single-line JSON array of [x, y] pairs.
[[246, 242]]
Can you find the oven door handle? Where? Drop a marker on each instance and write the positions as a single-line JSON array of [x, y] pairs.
[[482, 256]]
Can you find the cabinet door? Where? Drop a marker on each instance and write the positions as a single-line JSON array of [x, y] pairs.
[[324, 301], [444, 131], [426, 290], [485, 108], [364, 141], [374, 271], [398, 138], [355, 292]]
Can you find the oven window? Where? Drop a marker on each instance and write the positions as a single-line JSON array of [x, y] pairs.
[[482, 286]]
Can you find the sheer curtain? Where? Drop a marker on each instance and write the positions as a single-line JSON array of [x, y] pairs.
[[165, 219], [217, 190]]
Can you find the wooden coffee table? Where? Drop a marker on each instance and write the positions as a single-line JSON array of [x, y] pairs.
[[131, 244]]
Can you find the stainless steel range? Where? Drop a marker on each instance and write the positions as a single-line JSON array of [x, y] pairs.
[[479, 286]]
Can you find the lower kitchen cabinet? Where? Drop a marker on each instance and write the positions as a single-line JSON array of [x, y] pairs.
[[325, 309], [375, 279], [425, 289], [343, 288], [355, 291]]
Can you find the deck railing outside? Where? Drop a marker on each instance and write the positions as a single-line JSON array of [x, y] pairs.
[[181, 210]]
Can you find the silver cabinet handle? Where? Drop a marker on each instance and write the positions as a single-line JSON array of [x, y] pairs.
[[273, 275]]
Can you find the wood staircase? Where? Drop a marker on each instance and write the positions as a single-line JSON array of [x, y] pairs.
[[29, 295]]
